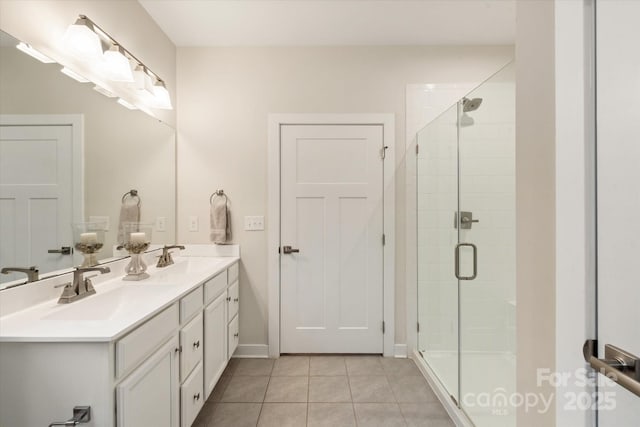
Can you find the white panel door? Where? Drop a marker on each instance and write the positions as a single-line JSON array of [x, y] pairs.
[[332, 212], [36, 201], [618, 156]]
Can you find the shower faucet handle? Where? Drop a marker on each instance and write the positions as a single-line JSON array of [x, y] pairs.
[[466, 220]]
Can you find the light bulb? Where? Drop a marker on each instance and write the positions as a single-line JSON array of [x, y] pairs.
[[29, 50], [126, 104], [116, 65], [74, 75], [81, 40]]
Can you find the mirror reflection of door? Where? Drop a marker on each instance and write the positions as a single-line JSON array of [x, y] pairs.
[[36, 197]]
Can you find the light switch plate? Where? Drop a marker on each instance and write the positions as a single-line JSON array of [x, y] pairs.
[[193, 223], [161, 223], [104, 220], [254, 223]]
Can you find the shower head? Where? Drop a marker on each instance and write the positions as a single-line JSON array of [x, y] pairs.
[[470, 104], [466, 120]]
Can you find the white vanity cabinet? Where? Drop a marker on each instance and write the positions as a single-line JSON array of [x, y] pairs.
[[158, 374]]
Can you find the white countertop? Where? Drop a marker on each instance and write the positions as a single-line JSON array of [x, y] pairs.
[[117, 307]]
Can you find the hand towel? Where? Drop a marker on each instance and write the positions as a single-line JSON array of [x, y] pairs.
[[220, 221], [129, 212]]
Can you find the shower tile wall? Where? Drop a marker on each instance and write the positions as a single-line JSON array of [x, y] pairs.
[[487, 188]]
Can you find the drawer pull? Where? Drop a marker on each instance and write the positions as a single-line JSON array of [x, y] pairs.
[[236, 335], [236, 299], [228, 299], [178, 349], [196, 397], [196, 344]]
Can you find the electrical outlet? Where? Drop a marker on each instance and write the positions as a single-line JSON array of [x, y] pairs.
[[193, 223], [161, 223], [103, 220], [254, 223]]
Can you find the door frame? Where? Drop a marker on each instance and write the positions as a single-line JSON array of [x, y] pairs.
[[275, 122]]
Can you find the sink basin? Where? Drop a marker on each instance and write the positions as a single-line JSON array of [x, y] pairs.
[[101, 306], [180, 268]]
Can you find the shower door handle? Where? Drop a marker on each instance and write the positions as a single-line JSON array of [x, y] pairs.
[[457, 261]]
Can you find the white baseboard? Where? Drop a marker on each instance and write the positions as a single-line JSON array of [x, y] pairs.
[[400, 350], [252, 351]]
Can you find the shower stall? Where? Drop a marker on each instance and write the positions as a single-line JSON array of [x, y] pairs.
[[466, 251]]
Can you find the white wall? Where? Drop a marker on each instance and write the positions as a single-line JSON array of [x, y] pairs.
[[535, 203], [42, 23], [225, 97]]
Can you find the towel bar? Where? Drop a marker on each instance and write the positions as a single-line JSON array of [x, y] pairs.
[[132, 194]]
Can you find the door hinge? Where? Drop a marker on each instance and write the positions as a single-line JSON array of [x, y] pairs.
[[417, 149], [384, 240], [383, 327], [418, 326], [383, 152]]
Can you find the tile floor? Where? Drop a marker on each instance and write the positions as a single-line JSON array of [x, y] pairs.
[[314, 391]]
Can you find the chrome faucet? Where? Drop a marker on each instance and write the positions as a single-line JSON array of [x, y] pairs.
[[80, 287], [165, 259], [31, 272]]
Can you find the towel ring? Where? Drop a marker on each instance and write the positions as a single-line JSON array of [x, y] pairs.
[[132, 194], [219, 193]]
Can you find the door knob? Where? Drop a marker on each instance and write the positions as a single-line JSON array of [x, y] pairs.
[[289, 250], [65, 250]]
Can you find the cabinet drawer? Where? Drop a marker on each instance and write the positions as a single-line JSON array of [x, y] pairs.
[[232, 273], [135, 347], [190, 304], [233, 300], [191, 397], [192, 345], [233, 336], [214, 287]]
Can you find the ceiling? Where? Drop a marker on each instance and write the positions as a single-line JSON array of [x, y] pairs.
[[334, 22]]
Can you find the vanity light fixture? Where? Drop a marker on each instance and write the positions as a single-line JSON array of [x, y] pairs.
[[29, 50], [117, 65], [75, 76], [82, 41], [104, 91], [126, 104], [111, 61]]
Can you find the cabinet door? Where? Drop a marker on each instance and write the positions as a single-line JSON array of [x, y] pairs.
[[215, 342], [192, 345], [234, 300], [149, 396], [192, 399], [234, 335]]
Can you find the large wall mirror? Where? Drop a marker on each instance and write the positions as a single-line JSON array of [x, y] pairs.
[[116, 150]]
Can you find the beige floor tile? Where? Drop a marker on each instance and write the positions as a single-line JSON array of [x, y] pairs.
[[287, 389], [291, 366], [327, 365], [331, 415], [283, 415], [412, 390], [329, 389], [399, 367], [253, 367], [246, 389], [425, 415], [364, 365], [378, 415], [234, 415], [218, 390], [370, 389]]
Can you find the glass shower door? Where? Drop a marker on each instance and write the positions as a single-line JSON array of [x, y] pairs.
[[487, 213], [437, 203]]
